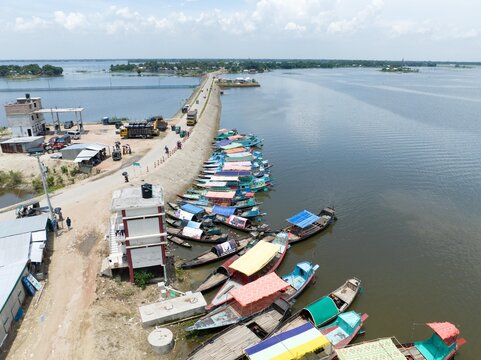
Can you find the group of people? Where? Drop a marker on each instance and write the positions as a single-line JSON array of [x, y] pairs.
[[179, 146]]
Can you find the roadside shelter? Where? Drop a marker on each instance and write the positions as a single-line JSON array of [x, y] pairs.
[[21, 144]]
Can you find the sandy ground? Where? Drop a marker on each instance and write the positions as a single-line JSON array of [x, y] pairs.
[[81, 315]]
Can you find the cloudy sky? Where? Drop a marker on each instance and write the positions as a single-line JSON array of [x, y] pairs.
[[347, 29]]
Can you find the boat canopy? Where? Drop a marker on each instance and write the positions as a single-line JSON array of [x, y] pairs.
[[303, 219], [345, 325], [224, 210], [231, 145], [233, 173], [240, 158], [322, 310], [348, 321], [220, 194], [236, 137], [183, 215], [377, 349], [291, 344], [235, 167], [224, 248], [236, 150], [211, 184], [222, 143], [256, 258], [193, 224], [191, 232], [263, 287], [446, 331], [192, 209], [237, 221], [224, 178], [239, 154]]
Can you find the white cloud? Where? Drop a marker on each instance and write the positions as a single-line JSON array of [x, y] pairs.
[[292, 26], [70, 21], [32, 24]]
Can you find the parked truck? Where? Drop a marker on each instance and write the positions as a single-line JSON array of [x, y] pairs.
[[192, 117], [138, 129], [159, 122]]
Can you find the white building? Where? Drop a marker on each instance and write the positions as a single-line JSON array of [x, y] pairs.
[[23, 116], [137, 235], [22, 244]]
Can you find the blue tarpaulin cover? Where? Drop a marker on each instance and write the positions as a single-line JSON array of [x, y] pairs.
[[224, 210], [192, 209], [223, 143], [303, 219]]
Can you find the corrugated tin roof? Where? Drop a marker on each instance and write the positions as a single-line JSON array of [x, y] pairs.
[[303, 219], [89, 146], [36, 251], [9, 276], [23, 225], [22, 140], [14, 248], [86, 154]]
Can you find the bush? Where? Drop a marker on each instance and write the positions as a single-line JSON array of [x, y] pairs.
[[37, 185], [141, 278], [11, 179], [64, 169], [50, 181], [59, 182], [74, 171]]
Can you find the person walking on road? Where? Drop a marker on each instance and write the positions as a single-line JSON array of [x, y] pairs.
[[69, 223]]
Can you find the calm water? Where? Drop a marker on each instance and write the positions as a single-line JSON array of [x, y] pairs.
[[399, 157]]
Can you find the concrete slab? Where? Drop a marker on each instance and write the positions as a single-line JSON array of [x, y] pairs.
[[173, 309]]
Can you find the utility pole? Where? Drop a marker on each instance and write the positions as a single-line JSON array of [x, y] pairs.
[[45, 188]]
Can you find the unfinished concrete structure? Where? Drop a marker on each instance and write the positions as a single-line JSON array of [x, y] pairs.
[[137, 236], [23, 116]]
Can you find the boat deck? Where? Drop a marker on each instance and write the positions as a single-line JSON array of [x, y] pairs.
[[231, 345], [412, 352], [297, 321], [296, 281]]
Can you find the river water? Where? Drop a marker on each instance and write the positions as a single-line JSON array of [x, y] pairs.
[[397, 155]]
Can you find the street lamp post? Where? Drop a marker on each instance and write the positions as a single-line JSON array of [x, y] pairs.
[[45, 188]]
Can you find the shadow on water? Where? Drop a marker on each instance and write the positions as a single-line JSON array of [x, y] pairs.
[[11, 197]]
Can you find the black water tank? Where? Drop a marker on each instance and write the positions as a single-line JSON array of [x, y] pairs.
[[146, 191]]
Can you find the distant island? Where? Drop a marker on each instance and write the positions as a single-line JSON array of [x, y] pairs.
[[399, 69], [29, 71], [196, 67]]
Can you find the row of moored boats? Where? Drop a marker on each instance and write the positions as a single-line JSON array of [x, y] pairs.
[[251, 311]]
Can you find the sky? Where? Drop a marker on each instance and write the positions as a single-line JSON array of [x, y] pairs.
[[443, 30]]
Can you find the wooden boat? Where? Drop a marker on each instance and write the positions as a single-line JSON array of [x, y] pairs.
[[306, 224], [217, 252], [199, 235], [218, 276], [253, 213], [325, 309], [229, 344], [258, 295], [173, 205], [306, 338], [240, 223], [175, 223], [223, 272], [263, 258], [178, 241], [442, 345]]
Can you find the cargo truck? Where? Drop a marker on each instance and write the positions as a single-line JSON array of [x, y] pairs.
[[140, 129], [192, 117]]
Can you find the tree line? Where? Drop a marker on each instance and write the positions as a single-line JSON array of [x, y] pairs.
[[30, 70], [189, 66]]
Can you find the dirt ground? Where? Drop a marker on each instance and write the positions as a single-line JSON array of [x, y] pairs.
[[94, 133], [81, 315]]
